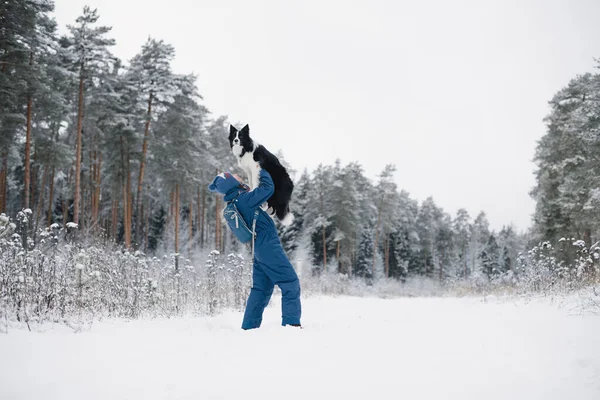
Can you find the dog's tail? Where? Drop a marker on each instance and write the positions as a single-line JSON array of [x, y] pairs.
[[288, 219]]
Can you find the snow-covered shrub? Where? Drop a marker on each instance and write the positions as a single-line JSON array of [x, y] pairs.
[[73, 281]]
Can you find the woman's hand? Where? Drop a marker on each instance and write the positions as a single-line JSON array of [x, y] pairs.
[[238, 178]]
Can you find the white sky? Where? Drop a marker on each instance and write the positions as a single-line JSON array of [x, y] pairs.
[[452, 92]]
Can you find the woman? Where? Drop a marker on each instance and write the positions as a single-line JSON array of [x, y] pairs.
[[271, 265]]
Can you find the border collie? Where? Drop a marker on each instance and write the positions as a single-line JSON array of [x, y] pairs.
[[251, 157]]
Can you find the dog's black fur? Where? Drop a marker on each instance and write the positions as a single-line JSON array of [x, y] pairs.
[[279, 202]]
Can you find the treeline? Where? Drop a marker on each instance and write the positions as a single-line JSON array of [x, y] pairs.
[[124, 150], [369, 229]]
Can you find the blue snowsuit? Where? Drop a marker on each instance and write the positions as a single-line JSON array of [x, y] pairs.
[[271, 264]]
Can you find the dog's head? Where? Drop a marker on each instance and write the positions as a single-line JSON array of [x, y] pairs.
[[240, 140]]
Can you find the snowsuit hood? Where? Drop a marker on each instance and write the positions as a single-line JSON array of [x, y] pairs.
[[227, 185]]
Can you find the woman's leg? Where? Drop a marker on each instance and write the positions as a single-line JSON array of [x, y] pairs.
[[280, 271], [260, 294], [291, 309]]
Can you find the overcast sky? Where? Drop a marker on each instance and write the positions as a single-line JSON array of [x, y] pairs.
[[452, 92]]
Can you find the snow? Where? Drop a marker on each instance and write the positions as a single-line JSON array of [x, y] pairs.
[[72, 225], [351, 348]]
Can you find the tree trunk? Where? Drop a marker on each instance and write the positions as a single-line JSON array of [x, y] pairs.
[[147, 227], [27, 180], [126, 190], [170, 213], [587, 237], [40, 199], [98, 187], [191, 221], [223, 239], [203, 219], [387, 256], [140, 235], [114, 219], [129, 199], [176, 227], [92, 156], [82, 204], [94, 186], [337, 256], [143, 164], [466, 261], [324, 249], [125, 212], [376, 242], [78, 151], [198, 213], [66, 204], [65, 212], [324, 235], [33, 191], [3, 181], [217, 224], [96, 165], [51, 197]]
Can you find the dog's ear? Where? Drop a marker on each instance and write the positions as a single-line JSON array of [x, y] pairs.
[[245, 130], [232, 131]]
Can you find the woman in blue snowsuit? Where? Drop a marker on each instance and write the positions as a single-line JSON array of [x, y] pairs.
[[271, 264]]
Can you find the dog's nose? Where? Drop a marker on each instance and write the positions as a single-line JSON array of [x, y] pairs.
[[236, 141]]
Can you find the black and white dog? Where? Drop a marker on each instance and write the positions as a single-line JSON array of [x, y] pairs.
[[251, 158]]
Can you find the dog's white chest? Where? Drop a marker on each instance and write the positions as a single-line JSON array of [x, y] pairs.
[[251, 167], [247, 162]]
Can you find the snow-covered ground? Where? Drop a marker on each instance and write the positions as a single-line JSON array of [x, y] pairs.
[[351, 348]]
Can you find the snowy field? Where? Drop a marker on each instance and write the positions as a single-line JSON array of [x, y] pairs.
[[351, 348]]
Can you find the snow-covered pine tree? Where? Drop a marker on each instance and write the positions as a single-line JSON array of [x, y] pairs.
[[566, 201], [151, 71], [428, 221], [177, 147], [480, 233], [490, 257], [319, 216], [27, 35], [462, 238], [14, 57], [89, 46], [444, 242], [52, 111], [38, 29], [385, 202], [291, 235], [404, 239], [510, 245], [364, 255], [345, 215], [118, 123]]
